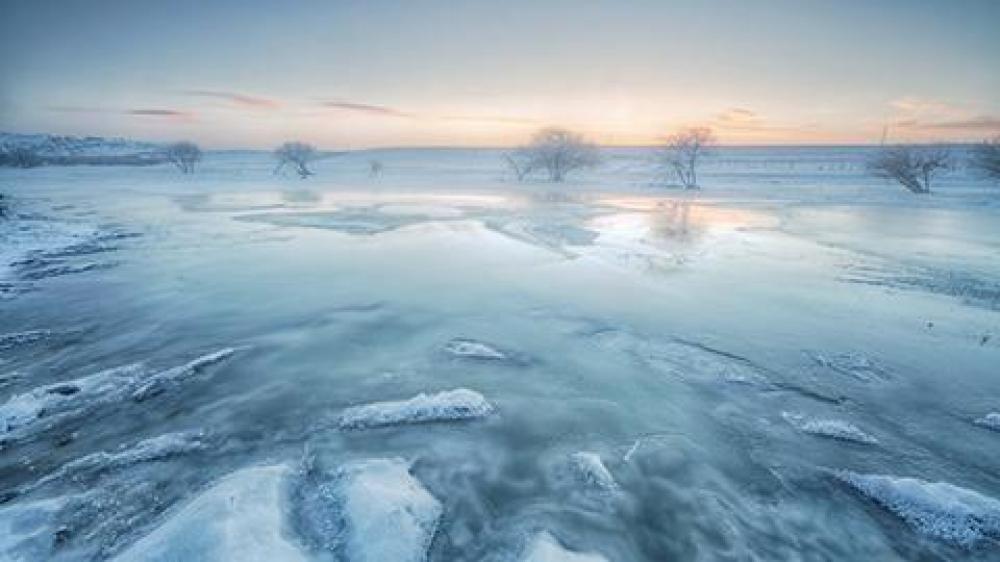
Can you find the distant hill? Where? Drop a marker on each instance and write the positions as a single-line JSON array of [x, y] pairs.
[[60, 150]]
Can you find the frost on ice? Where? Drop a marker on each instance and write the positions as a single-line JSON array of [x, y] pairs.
[[591, 470], [471, 349], [543, 547], [831, 428], [937, 509], [16, 339], [458, 404], [990, 420], [241, 517]]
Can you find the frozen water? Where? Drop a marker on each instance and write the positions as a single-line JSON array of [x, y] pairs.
[[663, 330], [937, 509], [832, 428], [26, 530], [543, 547], [449, 405], [591, 469], [241, 517]]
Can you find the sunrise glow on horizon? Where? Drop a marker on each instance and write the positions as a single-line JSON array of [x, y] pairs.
[[430, 73]]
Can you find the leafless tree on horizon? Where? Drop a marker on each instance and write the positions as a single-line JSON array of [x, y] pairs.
[[296, 154], [913, 166], [682, 151], [985, 158], [558, 152], [184, 155]]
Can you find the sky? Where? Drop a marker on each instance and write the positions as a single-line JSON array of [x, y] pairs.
[[346, 74]]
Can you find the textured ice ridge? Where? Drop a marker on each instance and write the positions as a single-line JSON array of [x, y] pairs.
[[832, 428], [937, 509], [36, 409], [148, 450], [458, 404]]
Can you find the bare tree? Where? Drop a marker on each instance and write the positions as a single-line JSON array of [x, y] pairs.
[[682, 151], [298, 155], [986, 158], [184, 155], [556, 151], [375, 168], [913, 166]]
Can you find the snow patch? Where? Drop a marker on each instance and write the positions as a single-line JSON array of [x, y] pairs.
[[937, 509], [450, 405], [832, 428], [241, 517], [852, 364], [171, 377], [543, 547]]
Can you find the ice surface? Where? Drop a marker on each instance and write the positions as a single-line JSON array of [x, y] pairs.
[[241, 517], [591, 469], [832, 428], [990, 420], [389, 514], [450, 405], [473, 349], [937, 509], [543, 547]]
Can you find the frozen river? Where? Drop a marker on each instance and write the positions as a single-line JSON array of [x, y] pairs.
[[797, 362]]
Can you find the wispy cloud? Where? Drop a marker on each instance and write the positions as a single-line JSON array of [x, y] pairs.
[[159, 112], [78, 109], [237, 99], [367, 108], [500, 119], [983, 123], [737, 115]]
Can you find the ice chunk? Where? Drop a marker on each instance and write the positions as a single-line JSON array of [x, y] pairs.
[[591, 469], [147, 450], [990, 420], [545, 548], [832, 428], [389, 514], [458, 404], [26, 530], [472, 349], [937, 509], [238, 518]]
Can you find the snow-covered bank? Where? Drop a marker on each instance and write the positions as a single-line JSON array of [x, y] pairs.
[[450, 405]]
